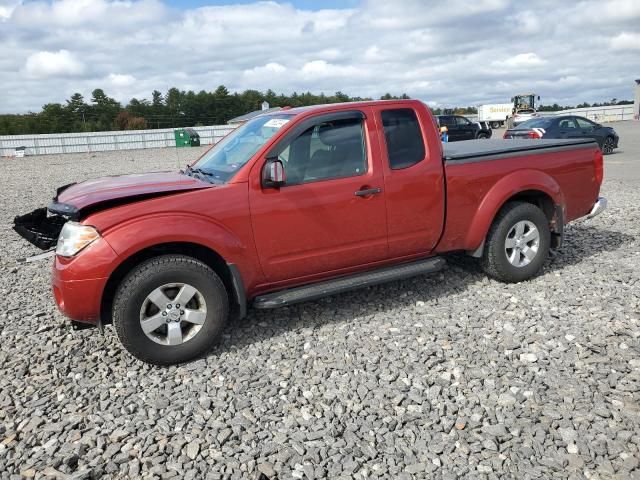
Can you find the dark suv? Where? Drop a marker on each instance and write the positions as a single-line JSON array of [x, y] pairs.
[[461, 128]]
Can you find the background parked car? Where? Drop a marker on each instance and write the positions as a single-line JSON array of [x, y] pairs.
[[461, 128], [566, 126], [523, 116]]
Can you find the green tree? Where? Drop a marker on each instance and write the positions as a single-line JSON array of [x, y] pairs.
[[103, 110]]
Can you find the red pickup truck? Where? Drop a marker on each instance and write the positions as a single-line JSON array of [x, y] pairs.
[[299, 204]]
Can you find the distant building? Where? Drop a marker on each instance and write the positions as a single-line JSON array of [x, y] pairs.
[[248, 116]]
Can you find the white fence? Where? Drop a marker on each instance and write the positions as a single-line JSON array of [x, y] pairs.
[[614, 113], [101, 141], [133, 139]]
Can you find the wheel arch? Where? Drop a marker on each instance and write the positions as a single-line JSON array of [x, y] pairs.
[[531, 186], [228, 273]]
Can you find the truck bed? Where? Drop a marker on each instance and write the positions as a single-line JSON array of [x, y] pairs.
[[482, 150]]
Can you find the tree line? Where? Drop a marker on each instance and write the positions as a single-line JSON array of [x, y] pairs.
[[176, 108], [179, 108]]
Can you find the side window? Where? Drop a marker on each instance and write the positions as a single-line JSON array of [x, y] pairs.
[[567, 123], [403, 137], [585, 124], [462, 121], [326, 151]]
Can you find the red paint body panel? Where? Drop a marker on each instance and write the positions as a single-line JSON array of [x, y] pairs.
[[415, 197], [476, 191], [293, 235], [216, 217], [78, 282], [320, 226]]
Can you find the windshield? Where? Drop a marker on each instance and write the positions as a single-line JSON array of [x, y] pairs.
[[228, 155], [536, 123]]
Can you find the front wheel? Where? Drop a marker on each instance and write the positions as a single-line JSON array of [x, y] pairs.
[[517, 244], [607, 146], [170, 309]]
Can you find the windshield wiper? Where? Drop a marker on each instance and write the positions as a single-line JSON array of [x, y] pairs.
[[210, 175]]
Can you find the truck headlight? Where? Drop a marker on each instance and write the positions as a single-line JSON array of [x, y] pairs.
[[74, 237]]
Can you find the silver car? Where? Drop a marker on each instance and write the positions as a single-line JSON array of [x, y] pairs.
[[523, 116]]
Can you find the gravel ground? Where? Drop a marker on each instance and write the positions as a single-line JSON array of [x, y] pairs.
[[444, 376]]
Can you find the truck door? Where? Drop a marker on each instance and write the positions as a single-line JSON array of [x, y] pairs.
[[330, 212], [413, 182]]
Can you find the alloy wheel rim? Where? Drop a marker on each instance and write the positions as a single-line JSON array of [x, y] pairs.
[[173, 314], [522, 243], [608, 145]]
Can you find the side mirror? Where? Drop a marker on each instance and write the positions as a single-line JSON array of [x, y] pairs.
[[273, 175]]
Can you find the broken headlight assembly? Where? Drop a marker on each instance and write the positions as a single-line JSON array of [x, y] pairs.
[[74, 237]]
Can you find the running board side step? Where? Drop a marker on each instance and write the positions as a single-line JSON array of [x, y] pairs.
[[344, 284]]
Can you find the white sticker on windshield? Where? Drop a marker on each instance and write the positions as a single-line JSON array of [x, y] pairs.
[[276, 122]]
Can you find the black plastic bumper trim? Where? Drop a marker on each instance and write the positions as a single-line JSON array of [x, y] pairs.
[[238, 287]]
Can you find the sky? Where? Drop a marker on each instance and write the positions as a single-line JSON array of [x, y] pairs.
[[447, 53]]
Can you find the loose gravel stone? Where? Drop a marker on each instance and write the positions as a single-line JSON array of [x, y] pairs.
[[446, 376]]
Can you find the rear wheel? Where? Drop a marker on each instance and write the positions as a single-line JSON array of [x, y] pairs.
[[170, 309], [482, 136], [517, 243], [607, 146], [495, 125]]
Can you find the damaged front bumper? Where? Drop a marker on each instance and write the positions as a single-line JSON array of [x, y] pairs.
[[39, 228]]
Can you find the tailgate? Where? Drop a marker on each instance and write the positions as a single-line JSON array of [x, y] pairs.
[[39, 228]]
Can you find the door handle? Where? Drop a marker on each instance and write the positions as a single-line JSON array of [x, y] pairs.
[[368, 191]]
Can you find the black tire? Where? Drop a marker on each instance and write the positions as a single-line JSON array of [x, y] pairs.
[[607, 146], [482, 136], [135, 290], [495, 260], [495, 125]]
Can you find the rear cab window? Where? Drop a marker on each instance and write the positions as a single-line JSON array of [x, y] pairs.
[[403, 138]]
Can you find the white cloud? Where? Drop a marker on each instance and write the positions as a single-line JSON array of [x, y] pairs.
[[53, 64], [446, 53], [6, 8], [104, 14], [316, 67], [264, 73], [626, 41], [522, 60], [121, 80]]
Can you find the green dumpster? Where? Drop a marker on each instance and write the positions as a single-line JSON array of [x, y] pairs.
[[187, 137]]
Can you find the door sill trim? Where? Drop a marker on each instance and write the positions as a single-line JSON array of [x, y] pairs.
[[342, 284]]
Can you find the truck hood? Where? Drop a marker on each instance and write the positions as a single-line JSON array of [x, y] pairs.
[[112, 190], [76, 200]]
